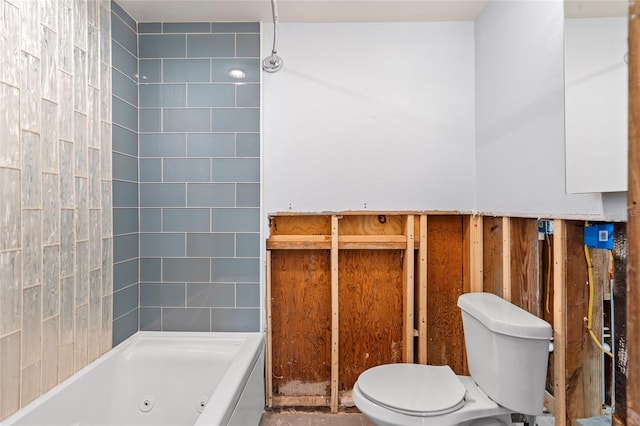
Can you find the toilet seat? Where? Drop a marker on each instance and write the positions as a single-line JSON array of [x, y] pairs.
[[413, 389]]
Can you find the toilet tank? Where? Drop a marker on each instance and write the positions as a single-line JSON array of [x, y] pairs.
[[507, 351]]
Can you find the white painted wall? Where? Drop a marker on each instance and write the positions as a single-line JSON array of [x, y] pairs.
[[596, 104], [520, 113], [377, 116]]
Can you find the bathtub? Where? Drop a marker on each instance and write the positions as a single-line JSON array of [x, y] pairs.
[[161, 378]]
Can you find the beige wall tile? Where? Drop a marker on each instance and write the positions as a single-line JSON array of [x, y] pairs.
[[65, 361], [9, 374], [31, 325], [10, 291], [80, 358], [30, 388], [50, 346]]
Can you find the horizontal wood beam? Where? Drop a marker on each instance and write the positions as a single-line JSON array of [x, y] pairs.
[[345, 242]]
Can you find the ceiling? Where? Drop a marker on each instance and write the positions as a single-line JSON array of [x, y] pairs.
[[303, 10], [338, 10]]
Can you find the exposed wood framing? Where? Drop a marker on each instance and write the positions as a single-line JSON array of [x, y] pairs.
[[408, 290], [269, 344], [525, 283], [506, 258], [476, 261], [633, 239], [559, 322], [422, 292], [335, 330]]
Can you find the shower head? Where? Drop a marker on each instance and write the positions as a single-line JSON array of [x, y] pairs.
[[272, 63]]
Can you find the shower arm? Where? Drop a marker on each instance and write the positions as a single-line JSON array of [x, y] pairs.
[[273, 62]]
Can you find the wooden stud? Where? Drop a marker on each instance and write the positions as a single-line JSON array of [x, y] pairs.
[[299, 242], [633, 225], [476, 261], [301, 401], [335, 331], [526, 287], [559, 322], [408, 289], [492, 247], [422, 292], [506, 258], [269, 344], [549, 402]]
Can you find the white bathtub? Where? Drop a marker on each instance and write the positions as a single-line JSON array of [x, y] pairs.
[[161, 378]]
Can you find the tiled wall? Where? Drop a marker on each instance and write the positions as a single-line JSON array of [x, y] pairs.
[[55, 193], [199, 176], [125, 174]]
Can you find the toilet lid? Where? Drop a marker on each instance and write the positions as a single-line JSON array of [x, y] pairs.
[[413, 389]]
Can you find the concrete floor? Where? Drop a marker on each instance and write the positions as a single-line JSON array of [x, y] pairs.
[[301, 418]]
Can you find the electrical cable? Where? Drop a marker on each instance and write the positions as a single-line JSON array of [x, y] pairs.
[[589, 319], [547, 288]]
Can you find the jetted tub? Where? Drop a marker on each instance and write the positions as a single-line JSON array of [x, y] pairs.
[[161, 378]]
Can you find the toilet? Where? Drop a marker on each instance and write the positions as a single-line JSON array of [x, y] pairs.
[[507, 353]]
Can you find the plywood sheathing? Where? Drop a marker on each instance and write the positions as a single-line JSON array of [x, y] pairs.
[[621, 346], [445, 282], [301, 326], [633, 262], [492, 259]]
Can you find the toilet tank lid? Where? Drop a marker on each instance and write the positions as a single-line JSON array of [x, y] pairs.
[[503, 317]]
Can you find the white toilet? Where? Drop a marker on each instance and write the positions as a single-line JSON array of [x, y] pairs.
[[507, 352]]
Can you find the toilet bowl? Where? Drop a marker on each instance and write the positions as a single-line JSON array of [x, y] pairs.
[[507, 353], [414, 394]]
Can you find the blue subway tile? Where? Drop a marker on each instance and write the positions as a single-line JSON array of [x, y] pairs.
[[210, 45], [125, 300], [125, 247], [124, 140], [186, 270], [125, 221], [150, 269], [235, 270], [163, 95], [150, 319], [248, 95], [236, 320], [162, 294], [150, 220], [150, 70], [210, 195], [186, 319], [210, 245], [210, 145], [124, 327], [248, 195], [220, 70], [162, 45], [235, 27], [150, 120], [248, 295], [150, 170], [125, 114], [125, 194], [248, 45], [186, 70], [248, 245], [186, 170], [235, 220], [118, 11], [163, 145], [186, 27], [162, 195], [162, 245], [248, 145], [124, 88], [235, 119], [124, 167], [207, 295], [211, 95], [186, 220], [185, 120], [125, 35], [150, 27], [124, 61], [125, 274], [236, 170]]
